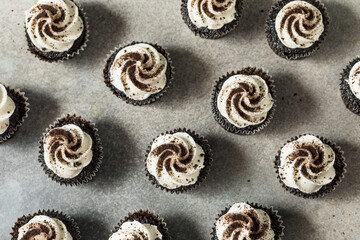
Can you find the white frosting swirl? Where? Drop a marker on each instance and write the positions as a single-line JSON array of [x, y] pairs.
[[42, 227], [307, 164], [175, 160], [139, 71], [354, 80], [244, 100], [7, 108], [135, 230], [54, 25], [299, 24], [211, 14], [67, 150], [243, 222]]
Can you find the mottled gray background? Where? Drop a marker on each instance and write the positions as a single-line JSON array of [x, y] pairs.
[[308, 101]]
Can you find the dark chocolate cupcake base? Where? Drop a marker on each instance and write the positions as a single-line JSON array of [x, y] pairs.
[[120, 94], [203, 172], [210, 33], [278, 47], [350, 100], [69, 223], [19, 115], [251, 129], [276, 221], [77, 47], [339, 166], [146, 217], [89, 171]]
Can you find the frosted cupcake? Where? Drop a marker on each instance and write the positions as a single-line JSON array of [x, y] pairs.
[[350, 86], [309, 166], [295, 29], [55, 29]]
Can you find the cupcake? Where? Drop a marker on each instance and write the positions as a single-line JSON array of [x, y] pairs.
[[295, 29], [350, 86], [45, 224], [243, 101], [141, 225], [178, 160], [138, 73], [309, 166], [248, 221], [71, 151], [13, 111], [211, 19], [56, 29]]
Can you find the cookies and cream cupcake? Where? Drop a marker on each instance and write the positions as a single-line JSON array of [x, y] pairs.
[[45, 224], [211, 18], [71, 151], [55, 29], [248, 221], [13, 111], [350, 86], [310, 166], [139, 72], [178, 160], [243, 102], [295, 28]]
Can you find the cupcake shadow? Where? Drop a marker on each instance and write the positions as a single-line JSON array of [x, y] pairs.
[[91, 228], [181, 227], [294, 105], [117, 149]]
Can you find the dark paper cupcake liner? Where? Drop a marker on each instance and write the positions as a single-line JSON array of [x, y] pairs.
[[209, 33], [20, 113], [78, 46], [251, 129], [276, 221], [146, 217], [339, 166], [203, 172], [278, 47], [68, 221], [152, 98], [350, 100], [90, 170]]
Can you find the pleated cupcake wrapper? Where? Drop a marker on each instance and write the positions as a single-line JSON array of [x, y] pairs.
[[339, 165], [276, 221], [90, 170], [22, 109], [152, 98], [278, 47], [69, 55], [350, 100], [209, 33], [70, 224], [146, 217], [203, 172], [251, 129]]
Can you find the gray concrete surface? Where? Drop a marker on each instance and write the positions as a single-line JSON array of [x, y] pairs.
[[308, 101]]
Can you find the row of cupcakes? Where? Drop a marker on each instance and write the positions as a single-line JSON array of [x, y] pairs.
[[57, 30], [239, 221]]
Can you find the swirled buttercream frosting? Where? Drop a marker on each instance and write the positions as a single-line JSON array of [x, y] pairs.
[[299, 24], [354, 80], [139, 71], [307, 164], [244, 100], [243, 222], [211, 14], [134, 230], [175, 160], [67, 150], [7, 108], [54, 25], [42, 227]]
